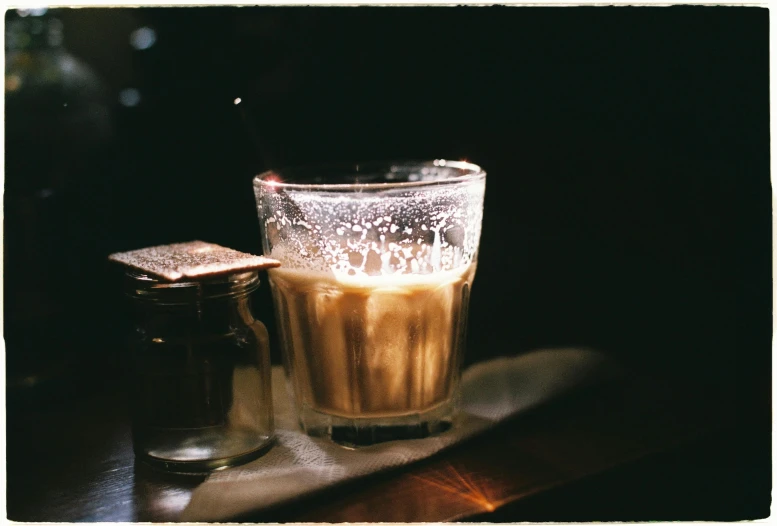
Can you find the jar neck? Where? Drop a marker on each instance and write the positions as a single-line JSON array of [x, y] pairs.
[[216, 316], [156, 291], [215, 306]]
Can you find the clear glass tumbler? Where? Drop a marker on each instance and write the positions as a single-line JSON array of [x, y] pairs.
[[372, 296]]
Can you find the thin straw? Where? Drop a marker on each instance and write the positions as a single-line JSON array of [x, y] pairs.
[[289, 206], [261, 153]]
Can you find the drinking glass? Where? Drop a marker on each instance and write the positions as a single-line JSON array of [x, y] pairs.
[[371, 299]]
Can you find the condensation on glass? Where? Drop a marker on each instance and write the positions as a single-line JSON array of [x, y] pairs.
[[199, 372]]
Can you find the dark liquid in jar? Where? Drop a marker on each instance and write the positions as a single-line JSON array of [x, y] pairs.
[[199, 398]]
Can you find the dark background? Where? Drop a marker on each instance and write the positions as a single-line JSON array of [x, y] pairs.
[[627, 150]]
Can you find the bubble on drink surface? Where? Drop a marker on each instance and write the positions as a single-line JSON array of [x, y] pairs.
[[417, 230]]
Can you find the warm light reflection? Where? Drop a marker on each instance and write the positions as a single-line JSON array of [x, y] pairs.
[[272, 180], [451, 480], [13, 82]]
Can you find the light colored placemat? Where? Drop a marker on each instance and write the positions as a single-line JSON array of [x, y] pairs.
[[299, 464]]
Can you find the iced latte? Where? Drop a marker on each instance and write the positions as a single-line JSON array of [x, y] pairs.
[[372, 296], [372, 346]]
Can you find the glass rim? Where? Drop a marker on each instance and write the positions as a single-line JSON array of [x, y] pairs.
[[273, 178]]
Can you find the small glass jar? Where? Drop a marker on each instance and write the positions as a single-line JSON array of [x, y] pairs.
[[199, 373]]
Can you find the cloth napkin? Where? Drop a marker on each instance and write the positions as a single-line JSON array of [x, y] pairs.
[[299, 464]]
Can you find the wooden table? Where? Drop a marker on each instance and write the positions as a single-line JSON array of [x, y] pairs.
[[619, 451]]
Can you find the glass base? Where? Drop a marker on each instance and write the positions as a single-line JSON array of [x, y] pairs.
[[357, 432], [201, 451]]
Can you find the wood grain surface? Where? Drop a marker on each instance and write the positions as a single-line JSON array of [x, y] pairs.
[[74, 461]]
